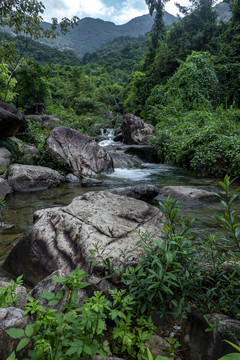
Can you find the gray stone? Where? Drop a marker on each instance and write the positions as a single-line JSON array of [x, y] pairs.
[[141, 192], [81, 154], [186, 192], [145, 152], [4, 188], [5, 159], [20, 292], [202, 345], [11, 120], [26, 177], [62, 238], [123, 161], [135, 131], [72, 178], [11, 318]]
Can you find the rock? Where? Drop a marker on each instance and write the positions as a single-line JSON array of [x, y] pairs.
[[19, 290], [34, 109], [45, 120], [135, 131], [72, 178], [26, 154], [11, 318], [145, 152], [30, 155], [81, 154], [4, 188], [26, 177], [62, 238], [49, 285], [90, 181], [11, 120], [157, 345], [186, 192], [141, 192], [204, 345], [123, 161], [5, 159]]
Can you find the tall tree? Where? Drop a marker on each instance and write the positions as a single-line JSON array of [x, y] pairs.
[[157, 30], [25, 17]]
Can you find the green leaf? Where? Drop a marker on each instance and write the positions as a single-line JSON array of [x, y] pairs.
[[87, 349], [15, 333], [48, 295], [29, 330], [24, 342], [232, 356], [234, 345], [12, 356]]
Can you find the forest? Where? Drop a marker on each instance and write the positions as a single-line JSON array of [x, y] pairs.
[[184, 79]]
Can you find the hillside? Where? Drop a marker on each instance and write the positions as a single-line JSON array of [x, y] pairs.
[[91, 33]]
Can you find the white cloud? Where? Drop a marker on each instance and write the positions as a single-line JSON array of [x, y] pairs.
[[130, 9], [80, 8]]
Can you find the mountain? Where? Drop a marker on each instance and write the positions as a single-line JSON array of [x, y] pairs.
[[91, 33]]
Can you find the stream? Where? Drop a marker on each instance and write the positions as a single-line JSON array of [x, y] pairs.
[[20, 206]]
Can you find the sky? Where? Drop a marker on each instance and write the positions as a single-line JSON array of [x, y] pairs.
[[117, 11]]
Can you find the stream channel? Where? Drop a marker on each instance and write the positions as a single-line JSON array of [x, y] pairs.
[[20, 206]]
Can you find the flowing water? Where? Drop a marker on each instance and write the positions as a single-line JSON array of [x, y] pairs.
[[20, 206]]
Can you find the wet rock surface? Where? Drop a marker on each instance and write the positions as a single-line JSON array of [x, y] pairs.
[[62, 238]]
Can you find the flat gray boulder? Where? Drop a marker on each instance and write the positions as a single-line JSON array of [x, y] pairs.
[[186, 192], [81, 154], [26, 177], [141, 192], [62, 238]]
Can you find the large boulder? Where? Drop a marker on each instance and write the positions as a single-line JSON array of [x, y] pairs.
[[11, 318], [11, 120], [26, 177], [62, 238], [81, 154], [135, 131]]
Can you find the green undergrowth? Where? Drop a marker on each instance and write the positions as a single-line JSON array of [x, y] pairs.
[[206, 142], [175, 274]]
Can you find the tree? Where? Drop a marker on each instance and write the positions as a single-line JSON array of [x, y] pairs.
[[157, 30], [32, 84], [25, 17]]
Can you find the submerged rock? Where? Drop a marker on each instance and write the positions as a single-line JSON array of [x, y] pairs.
[[186, 192], [80, 153], [62, 238]]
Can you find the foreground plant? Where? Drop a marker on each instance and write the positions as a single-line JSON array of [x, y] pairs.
[[96, 326]]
